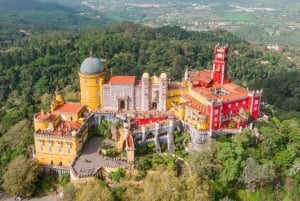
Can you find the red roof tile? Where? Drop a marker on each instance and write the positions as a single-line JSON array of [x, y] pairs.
[[42, 116], [64, 128], [122, 79], [176, 85], [45, 116], [69, 108]]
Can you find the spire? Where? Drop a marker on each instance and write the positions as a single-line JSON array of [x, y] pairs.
[[92, 53], [186, 74], [58, 97], [57, 90]]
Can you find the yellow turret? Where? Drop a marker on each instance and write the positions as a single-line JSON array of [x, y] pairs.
[[58, 100], [92, 76]]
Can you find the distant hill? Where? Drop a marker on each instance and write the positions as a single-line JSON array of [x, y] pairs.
[[264, 21], [28, 13], [27, 5]]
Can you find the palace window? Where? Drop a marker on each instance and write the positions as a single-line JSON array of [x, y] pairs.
[[59, 150], [68, 145], [237, 104], [59, 144], [50, 149], [49, 143], [85, 81], [41, 142], [69, 151], [41, 148], [255, 108], [244, 102], [255, 102], [229, 106], [97, 81]]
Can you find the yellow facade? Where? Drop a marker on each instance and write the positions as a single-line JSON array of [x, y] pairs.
[[178, 110], [91, 90], [199, 121], [57, 141], [175, 99], [174, 96], [58, 151], [200, 98], [71, 116], [41, 124]]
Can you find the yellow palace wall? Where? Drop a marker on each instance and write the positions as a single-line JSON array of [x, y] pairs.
[[197, 96], [43, 124], [71, 116], [91, 90], [57, 151], [193, 117], [174, 96]]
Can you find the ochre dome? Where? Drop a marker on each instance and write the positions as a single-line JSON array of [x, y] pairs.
[[145, 75], [91, 65], [154, 79], [163, 75]]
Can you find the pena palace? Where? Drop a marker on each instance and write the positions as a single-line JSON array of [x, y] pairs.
[[207, 101]]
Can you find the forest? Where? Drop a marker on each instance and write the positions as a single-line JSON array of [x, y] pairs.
[[250, 166]]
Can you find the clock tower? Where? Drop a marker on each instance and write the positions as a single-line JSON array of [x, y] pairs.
[[219, 73]]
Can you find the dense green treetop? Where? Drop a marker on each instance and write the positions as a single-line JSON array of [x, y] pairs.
[[21, 175]]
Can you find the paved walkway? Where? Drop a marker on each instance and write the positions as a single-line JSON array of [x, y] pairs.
[[90, 161]]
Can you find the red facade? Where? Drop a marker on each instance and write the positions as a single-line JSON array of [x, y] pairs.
[[229, 105]]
